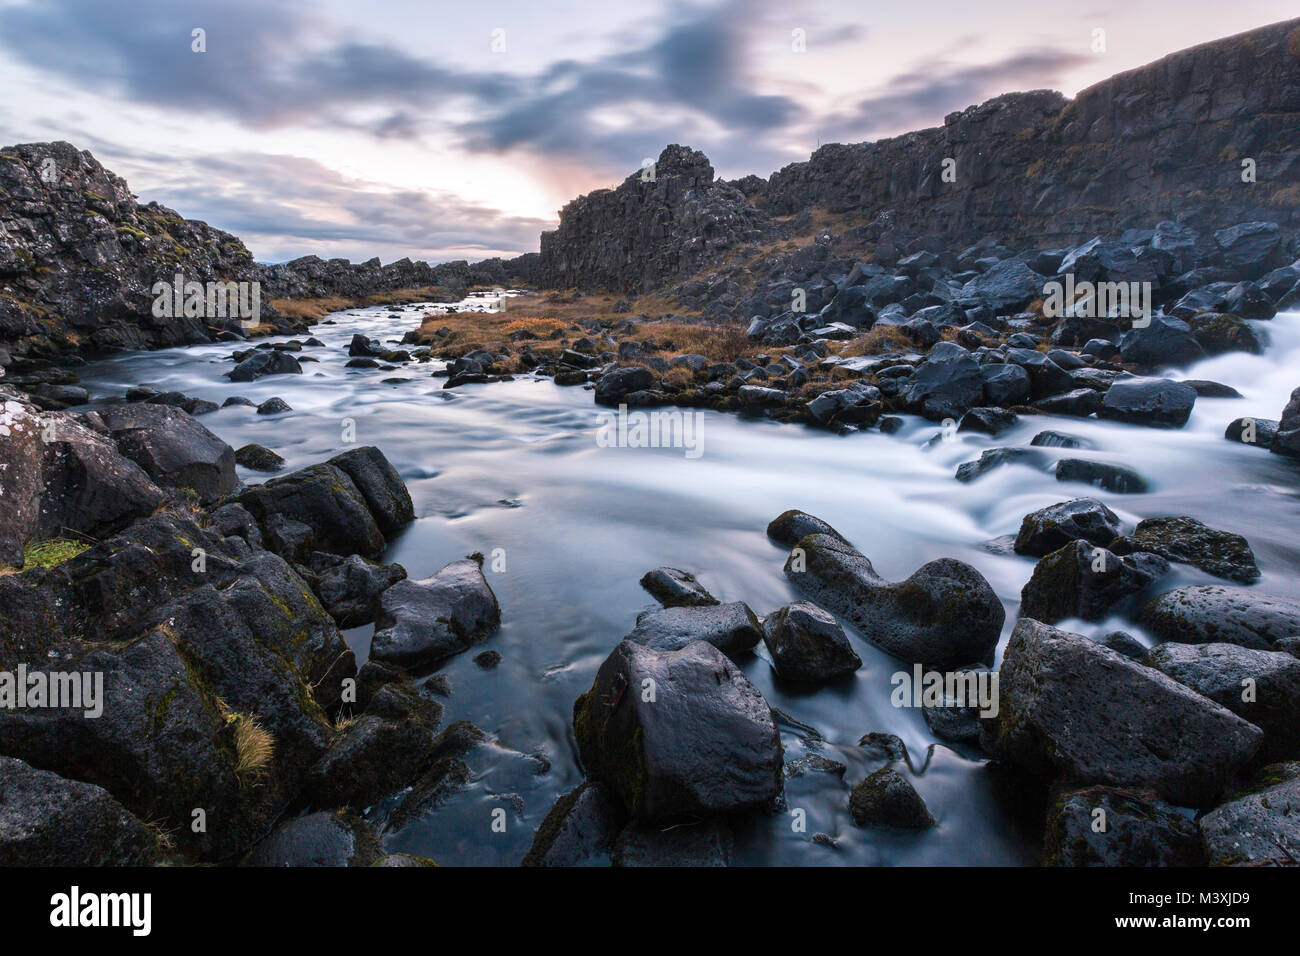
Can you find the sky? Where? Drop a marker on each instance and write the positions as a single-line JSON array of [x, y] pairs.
[[457, 130]]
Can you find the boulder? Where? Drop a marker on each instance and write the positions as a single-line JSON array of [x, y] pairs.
[[174, 449], [732, 628], [1156, 402], [349, 589], [262, 363], [1260, 826], [1210, 613], [699, 843], [808, 645], [944, 615], [987, 421], [1072, 708], [325, 838], [946, 386], [580, 828], [1188, 541], [258, 458], [614, 386], [1163, 341], [992, 458], [1005, 384], [1083, 580], [1287, 440], [791, 526], [674, 588], [420, 623], [678, 733], [1078, 402], [1051, 528], [887, 798], [1100, 474], [1262, 687], [1252, 431], [1131, 829]]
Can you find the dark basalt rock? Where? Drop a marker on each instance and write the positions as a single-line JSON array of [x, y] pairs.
[[582, 826], [987, 421], [1079, 402], [1164, 341], [887, 798], [1252, 431], [1082, 580], [1210, 613], [1100, 474], [674, 588], [944, 615], [702, 843], [174, 449], [1052, 439], [326, 838], [1262, 687], [1005, 384], [264, 363], [349, 590], [1260, 826], [807, 644], [944, 386], [258, 458], [698, 739], [1157, 402], [1133, 829], [731, 628], [1287, 439], [992, 458], [1051, 528], [1188, 541], [1072, 708], [790, 527], [420, 623], [614, 386], [46, 820]]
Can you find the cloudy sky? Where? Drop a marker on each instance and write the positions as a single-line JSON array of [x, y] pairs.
[[445, 130]]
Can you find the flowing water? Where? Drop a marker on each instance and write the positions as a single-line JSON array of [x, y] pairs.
[[516, 466]]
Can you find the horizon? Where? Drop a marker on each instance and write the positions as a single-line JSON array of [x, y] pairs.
[[483, 148]]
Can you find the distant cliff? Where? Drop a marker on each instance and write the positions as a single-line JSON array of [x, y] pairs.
[[1166, 141]]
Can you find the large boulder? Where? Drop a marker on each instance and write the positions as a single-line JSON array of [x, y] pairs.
[[678, 733], [1156, 402], [1188, 541], [1286, 441], [350, 589], [1083, 580], [1260, 686], [732, 628], [423, 622], [945, 614], [264, 362], [1053, 527], [1260, 826], [1163, 341], [1212, 613], [1072, 708], [46, 820], [946, 385], [1009, 285], [1005, 384], [807, 644], [614, 386], [1251, 249], [581, 827], [1104, 826], [173, 448]]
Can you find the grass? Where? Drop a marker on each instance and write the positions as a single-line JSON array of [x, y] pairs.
[[254, 745], [46, 554]]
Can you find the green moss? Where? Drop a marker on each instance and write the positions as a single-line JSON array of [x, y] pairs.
[[46, 554]]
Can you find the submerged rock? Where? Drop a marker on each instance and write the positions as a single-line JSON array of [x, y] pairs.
[[732, 628], [580, 828], [945, 614], [1252, 431], [674, 588], [993, 458], [1210, 613], [702, 843], [422, 622], [1105, 826], [887, 798], [1072, 708], [678, 733], [1117, 478], [807, 644]]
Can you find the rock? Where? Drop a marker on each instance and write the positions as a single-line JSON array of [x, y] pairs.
[[1287, 439], [790, 527], [674, 588], [1100, 474], [808, 645], [859, 404], [956, 718], [315, 507], [258, 458], [1009, 285], [697, 740], [1260, 826], [614, 386], [1262, 687], [944, 387], [886, 798], [46, 820], [1126, 644], [1082, 580], [1071, 707], [944, 615], [581, 827], [1052, 439], [174, 449], [732, 628], [1132, 829], [755, 398], [1252, 431], [488, 659], [380, 485], [319, 839], [1220, 332], [988, 421], [1157, 402], [1210, 613], [1079, 402], [1250, 248], [992, 458], [1164, 341], [350, 589], [264, 363], [1046, 378], [422, 622], [702, 843], [1188, 541], [1051, 528], [1005, 385], [273, 406]]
